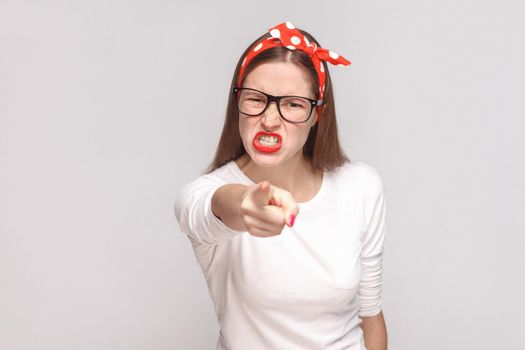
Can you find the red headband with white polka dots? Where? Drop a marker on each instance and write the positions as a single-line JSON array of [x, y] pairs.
[[285, 34]]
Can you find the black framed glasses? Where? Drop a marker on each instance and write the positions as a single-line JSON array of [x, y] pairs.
[[293, 109]]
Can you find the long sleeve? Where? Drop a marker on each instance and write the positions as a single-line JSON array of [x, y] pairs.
[[370, 289], [194, 213], [299, 289]]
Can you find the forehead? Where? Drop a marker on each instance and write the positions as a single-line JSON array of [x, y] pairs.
[[280, 78]]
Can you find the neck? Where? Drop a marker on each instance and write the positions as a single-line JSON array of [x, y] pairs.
[[295, 176]]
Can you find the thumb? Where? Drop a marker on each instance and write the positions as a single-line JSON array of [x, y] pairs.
[[290, 208], [290, 215]]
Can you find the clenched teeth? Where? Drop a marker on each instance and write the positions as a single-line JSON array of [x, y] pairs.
[[268, 140]]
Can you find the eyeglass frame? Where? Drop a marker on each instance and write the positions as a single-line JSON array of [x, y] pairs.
[[277, 99]]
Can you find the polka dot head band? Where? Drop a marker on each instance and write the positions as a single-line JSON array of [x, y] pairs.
[[285, 34]]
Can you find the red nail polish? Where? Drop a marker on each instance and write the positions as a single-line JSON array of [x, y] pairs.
[[292, 220]]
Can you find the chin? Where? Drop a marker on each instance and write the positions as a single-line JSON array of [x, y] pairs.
[[265, 160]]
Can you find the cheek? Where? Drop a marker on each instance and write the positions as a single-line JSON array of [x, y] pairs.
[[243, 127], [245, 130], [300, 136], [305, 136]]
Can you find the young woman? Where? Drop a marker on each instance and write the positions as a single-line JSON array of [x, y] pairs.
[[288, 232]]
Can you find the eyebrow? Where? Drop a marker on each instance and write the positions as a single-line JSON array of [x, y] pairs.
[[287, 94]]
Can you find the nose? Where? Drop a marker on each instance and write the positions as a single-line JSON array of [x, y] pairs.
[[271, 118]]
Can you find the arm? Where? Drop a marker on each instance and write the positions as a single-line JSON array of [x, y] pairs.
[[370, 289], [226, 204], [211, 211], [374, 332], [193, 210], [261, 209]]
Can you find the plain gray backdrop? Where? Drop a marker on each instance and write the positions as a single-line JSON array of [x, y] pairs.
[[107, 108]]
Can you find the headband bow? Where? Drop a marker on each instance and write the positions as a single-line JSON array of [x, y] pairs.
[[285, 34]]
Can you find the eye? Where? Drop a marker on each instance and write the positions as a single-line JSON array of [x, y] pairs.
[[295, 103], [253, 97]]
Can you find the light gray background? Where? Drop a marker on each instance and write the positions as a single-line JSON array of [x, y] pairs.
[[109, 107]]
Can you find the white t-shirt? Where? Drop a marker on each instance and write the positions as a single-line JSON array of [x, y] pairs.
[[305, 288]]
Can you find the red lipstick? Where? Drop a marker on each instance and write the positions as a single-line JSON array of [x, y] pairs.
[[267, 142]]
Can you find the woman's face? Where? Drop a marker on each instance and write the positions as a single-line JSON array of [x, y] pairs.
[[277, 79]]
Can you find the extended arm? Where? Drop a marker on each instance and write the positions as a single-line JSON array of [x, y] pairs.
[[226, 204], [210, 211], [193, 209], [261, 209]]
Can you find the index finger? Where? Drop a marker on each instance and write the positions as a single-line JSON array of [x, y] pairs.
[[261, 195]]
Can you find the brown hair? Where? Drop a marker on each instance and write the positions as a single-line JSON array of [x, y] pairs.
[[322, 147]]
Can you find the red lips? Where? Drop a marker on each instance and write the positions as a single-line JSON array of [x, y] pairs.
[[265, 148]]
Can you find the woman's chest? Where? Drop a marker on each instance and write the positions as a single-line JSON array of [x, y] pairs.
[[317, 259]]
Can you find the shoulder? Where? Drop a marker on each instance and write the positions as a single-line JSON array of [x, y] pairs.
[[360, 174], [222, 175], [224, 172], [358, 170]]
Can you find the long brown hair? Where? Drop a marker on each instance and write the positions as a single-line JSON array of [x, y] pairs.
[[322, 147]]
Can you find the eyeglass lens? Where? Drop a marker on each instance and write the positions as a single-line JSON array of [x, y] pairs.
[[294, 109]]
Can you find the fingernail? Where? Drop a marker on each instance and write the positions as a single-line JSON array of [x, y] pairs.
[[292, 220]]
